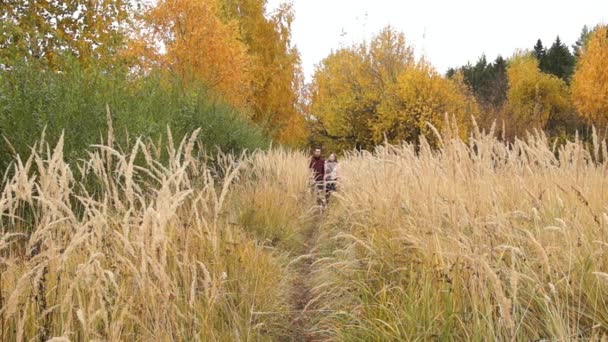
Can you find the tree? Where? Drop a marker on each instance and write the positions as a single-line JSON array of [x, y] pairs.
[[342, 100], [590, 81], [580, 42], [533, 98], [558, 61], [499, 82], [197, 44], [421, 96], [363, 94], [488, 81], [277, 78], [540, 52], [36, 29]]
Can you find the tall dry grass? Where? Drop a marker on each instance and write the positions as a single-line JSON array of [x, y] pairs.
[[477, 240], [123, 247], [480, 240]]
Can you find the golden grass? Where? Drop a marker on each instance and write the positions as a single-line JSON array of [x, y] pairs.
[[123, 247], [475, 241]]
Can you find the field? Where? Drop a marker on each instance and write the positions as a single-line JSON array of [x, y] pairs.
[[476, 240]]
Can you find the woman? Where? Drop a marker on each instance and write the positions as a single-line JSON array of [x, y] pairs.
[[331, 174]]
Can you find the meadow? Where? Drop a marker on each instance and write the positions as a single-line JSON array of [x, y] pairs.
[[155, 181], [472, 240]]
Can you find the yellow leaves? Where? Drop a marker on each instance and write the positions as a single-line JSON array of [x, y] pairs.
[[533, 97], [236, 50], [590, 80], [339, 91], [366, 93], [276, 75], [422, 96], [389, 54], [294, 131], [90, 30], [199, 45]]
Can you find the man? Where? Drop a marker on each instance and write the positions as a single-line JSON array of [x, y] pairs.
[[317, 165]]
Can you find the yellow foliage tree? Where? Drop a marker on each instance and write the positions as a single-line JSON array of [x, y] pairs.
[[421, 96], [590, 80], [365, 93], [277, 79], [342, 101], [90, 30], [195, 42], [533, 97]]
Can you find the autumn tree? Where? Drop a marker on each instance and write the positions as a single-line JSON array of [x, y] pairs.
[[421, 96], [342, 103], [366, 93], [590, 81], [277, 79], [193, 41], [533, 98], [351, 83], [40, 30]]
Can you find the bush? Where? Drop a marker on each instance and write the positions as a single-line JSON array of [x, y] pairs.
[[73, 101]]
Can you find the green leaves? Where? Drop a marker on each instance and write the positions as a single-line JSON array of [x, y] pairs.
[[74, 101]]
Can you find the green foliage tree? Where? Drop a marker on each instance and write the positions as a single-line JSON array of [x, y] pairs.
[[580, 42], [558, 61], [540, 53], [488, 81], [73, 102]]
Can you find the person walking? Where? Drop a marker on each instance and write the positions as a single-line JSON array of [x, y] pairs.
[[317, 165], [331, 175]]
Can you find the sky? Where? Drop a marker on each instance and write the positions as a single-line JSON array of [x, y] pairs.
[[447, 33]]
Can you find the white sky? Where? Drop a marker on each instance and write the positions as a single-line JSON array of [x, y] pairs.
[[448, 33]]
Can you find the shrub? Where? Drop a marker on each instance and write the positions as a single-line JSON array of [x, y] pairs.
[[74, 100]]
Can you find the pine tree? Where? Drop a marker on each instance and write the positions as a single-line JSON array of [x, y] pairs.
[[499, 83], [559, 61], [539, 51], [487, 80], [580, 43]]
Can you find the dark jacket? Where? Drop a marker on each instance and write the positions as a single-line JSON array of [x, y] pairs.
[[317, 165]]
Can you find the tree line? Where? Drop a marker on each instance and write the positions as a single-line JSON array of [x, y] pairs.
[[230, 67], [376, 91], [226, 66], [557, 89]]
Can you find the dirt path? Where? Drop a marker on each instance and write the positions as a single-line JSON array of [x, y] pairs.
[[302, 318]]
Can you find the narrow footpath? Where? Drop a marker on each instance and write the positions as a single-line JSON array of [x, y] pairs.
[[302, 316]]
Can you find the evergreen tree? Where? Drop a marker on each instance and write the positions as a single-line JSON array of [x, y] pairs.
[[580, 43], [500, 65], [488, 81], [499, 83], [559, 61], [539, 51]]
